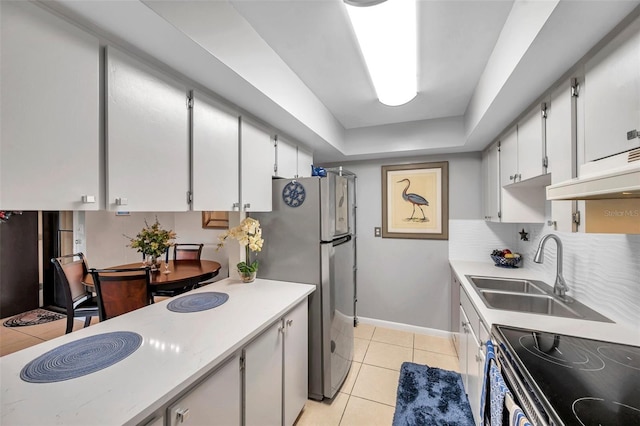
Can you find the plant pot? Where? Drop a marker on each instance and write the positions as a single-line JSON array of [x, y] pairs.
[[247, 277]]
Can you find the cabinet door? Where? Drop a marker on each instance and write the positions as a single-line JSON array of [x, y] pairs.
[[530, 145], [305, 161], [473, 375], [287, 159], [463, 353], [215, 156], [561, 150], [296, 362], [256, 170], [263, 378], [215, 400], [491, 175], [49, 111], [509, 158], [147, 138], [479, 373], [612, 95]]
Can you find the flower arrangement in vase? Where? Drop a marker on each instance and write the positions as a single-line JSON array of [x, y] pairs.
[[249, 234], [152, 241]]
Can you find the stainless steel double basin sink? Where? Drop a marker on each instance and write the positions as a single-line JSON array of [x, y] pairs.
[[529, 296]]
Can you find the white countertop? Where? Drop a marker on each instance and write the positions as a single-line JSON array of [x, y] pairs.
[[610, 332], [177, 348]]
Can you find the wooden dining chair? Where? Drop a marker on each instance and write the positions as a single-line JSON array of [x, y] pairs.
[[186, 251], [121, 290], [79, 301]]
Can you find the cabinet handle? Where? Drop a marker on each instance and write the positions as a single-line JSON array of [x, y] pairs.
[[183, 414], [478, 358], [122, 201], [247, 206], [235, 206], [289, 322], [88, 199]]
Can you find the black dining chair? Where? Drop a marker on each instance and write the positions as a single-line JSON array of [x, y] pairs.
[[79, 301], [182, 251], [121, 290]]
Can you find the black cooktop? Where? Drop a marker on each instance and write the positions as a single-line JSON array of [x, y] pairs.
[[587, 382]]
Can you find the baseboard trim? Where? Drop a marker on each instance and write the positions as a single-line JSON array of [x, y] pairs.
[[406, 327]]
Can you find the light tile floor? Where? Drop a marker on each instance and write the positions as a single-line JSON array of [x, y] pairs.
[[368, 396], [13, 339]]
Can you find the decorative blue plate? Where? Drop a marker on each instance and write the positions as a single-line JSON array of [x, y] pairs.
[[82, 357], [197, 302], [294, 194]]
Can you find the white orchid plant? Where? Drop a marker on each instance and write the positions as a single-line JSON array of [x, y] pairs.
[[249, 235]]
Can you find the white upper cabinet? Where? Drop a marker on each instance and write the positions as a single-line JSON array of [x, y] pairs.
[[509, 157], [215, 156], [612, 96], [561, 149], [147, 148], [491, 183], [291, 161], [256, 148], [522, 151], [286, 159], [49, 103], [305, 161], [531, 150]]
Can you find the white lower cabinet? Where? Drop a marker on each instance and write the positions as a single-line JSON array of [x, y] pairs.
[[473, 335], [296, 362], [276, 371], [266, 382], [215, 400], [263, 378]]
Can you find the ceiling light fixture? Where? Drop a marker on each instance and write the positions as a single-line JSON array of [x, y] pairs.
[[386, 32]]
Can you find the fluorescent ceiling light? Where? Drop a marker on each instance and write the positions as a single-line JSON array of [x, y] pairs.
[[387, 36]]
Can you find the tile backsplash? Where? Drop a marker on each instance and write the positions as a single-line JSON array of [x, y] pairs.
[[601, 270]]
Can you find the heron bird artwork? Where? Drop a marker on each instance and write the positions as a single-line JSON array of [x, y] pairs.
[[415, 200]]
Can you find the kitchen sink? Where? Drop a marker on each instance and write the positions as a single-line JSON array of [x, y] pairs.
[[507, 284], [530, 296], [535, 304]]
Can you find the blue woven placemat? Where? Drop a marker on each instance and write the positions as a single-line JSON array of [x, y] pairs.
[[197, 302], [82, 357]]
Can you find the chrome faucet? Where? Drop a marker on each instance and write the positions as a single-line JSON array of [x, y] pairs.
[[560, 286]]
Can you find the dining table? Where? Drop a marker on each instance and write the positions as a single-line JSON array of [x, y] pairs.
[[179, 274]]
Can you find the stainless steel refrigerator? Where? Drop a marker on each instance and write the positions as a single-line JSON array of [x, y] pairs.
[[310, 238]]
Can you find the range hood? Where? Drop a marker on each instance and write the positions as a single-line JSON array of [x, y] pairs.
[[615, 177]]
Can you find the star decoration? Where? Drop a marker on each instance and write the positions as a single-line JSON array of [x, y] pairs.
[[524, 236]]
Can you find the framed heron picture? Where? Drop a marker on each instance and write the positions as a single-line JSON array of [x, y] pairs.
[[415, 201]]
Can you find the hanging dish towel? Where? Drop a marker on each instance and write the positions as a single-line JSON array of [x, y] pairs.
[[485, 380], [497, 394], [516, 415]]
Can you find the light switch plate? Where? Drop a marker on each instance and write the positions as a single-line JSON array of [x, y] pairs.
[[377, 232]]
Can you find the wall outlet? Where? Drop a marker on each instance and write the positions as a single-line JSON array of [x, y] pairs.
[[377, 232]]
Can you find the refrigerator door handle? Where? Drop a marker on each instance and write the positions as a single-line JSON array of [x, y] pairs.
[[341, 240]]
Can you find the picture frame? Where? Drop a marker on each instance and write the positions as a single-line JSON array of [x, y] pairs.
[[215, 220], [415, 201]]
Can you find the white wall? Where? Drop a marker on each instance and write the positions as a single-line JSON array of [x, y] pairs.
[[106, 244], [403, 280]]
